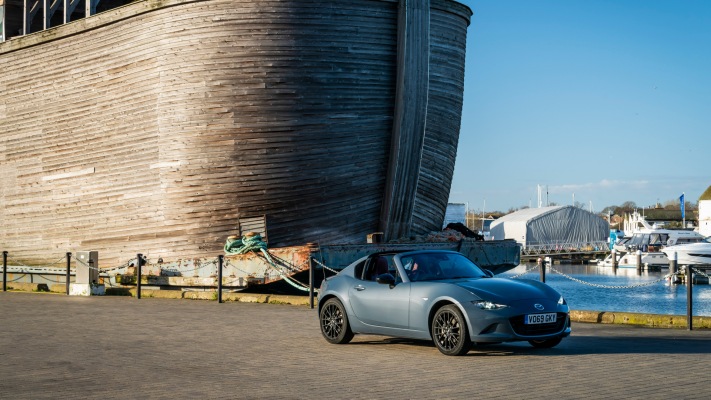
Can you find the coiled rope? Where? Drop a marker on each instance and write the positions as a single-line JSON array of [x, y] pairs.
[[253, 242]]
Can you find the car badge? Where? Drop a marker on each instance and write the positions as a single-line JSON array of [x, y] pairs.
[[539, 306]]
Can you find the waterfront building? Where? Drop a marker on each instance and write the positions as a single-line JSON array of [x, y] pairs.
[[705, 213]]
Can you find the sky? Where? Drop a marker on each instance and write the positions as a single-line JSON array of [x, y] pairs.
[[601, 102]]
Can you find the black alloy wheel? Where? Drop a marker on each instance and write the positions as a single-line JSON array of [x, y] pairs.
[[449, 331], [334, 322]]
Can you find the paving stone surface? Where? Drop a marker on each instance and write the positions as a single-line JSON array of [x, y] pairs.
[[55, 346]]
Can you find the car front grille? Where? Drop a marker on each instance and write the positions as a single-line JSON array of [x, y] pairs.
[[540, 329]]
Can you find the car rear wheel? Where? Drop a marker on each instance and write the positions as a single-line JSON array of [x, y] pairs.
[[334, 322], [545, 343], [449, 331]]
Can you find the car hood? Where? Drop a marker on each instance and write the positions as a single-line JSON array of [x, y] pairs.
[[501, 289]]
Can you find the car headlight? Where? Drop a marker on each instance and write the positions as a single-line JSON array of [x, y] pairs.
[[561, 301], [487, 305]]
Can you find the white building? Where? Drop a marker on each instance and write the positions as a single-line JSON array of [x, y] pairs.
[[705, 213]]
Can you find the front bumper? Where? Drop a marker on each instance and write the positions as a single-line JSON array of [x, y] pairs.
[[508, 326]]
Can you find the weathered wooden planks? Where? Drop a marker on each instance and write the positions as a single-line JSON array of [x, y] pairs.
[[448, 27], [157, 129], [428, 106], [410, 115]]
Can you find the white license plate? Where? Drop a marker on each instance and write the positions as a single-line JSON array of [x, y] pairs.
[[533, 319]]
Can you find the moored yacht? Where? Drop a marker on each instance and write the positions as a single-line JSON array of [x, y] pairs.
[[698, 253], [651, 241]]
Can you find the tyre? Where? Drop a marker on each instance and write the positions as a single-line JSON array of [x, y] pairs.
[[545, 343], [449, 331], [334, 322]]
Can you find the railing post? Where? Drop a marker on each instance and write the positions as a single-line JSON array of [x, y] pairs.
[[138, 275], [614, 260], [220, 259], [69, 265], [91, 267], [543, 269], [639, 262], [672, 265], [311, 281], [313, 249], [689, 303], [4, 271]]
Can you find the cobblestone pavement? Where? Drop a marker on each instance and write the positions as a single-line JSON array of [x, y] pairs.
[[54, 346]]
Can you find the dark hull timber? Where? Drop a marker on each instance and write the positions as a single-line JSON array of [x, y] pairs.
[[158, 126]]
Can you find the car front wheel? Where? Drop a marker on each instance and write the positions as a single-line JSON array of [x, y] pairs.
[[545, 343], [334, 322], [449, 331]]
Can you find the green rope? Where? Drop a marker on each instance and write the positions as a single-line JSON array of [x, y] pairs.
[[245, 244], [254, 243]]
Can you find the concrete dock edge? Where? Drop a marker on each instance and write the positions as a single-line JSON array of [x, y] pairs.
[[647, 320]]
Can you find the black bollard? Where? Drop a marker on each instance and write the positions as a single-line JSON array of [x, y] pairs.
[[313, 249], [93, 281], [689, 303], [639, 262], [220, 260], [614, 260], [4, 271], [539, 263], [138, 275], [543, 270], [69, 265], [312, 262], [672, 265]]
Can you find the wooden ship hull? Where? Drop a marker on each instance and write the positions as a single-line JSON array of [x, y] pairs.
[[161, 127]]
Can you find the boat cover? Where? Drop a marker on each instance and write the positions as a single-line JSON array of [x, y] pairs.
[[550, 225]]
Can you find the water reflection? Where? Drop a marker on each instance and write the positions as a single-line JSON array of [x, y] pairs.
[[608, 291]]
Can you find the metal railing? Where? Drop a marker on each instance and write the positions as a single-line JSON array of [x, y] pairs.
[[672, 276], [560, 248], [283, 269], [140, 261]]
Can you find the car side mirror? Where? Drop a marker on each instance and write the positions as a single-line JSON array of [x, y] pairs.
[[489, 273], [386, 279]]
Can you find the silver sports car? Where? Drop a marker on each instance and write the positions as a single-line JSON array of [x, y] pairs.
[[440, 296]]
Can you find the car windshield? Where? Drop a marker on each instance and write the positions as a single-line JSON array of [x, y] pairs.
[[437, 266]]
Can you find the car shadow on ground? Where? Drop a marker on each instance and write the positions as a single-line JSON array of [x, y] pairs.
[[583, 345]]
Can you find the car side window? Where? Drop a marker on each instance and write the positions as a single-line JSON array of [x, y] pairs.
[[376, 265], [371, 268], [358, 272]]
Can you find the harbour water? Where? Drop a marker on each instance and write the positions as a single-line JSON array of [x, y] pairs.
[[605, 291]]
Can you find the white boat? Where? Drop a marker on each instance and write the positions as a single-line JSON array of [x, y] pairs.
[[633, 223], [629, 259], [650, 240], [620, 244], [698, 253]]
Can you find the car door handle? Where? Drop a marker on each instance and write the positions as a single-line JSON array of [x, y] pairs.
[[360, 287]]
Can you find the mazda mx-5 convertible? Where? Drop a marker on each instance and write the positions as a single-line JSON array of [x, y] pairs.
[[440, 296]]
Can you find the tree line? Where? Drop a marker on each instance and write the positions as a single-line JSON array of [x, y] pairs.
[[627, 207]]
